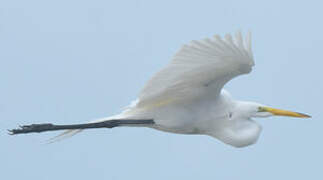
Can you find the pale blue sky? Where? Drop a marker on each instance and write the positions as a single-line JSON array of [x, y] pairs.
[[73, 61]]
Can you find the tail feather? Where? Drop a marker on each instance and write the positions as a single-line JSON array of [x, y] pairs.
[[64, 135]]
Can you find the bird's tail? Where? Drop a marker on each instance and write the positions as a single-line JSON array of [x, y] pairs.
[[64, 135]]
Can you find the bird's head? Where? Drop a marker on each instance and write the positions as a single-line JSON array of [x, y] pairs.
[[251, 109]]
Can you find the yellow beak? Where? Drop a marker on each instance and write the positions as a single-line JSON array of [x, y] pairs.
[[279, 112]]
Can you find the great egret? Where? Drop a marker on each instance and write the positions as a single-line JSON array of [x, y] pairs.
[[186, 96]]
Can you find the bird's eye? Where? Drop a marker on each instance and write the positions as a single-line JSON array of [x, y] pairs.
[[260, 109]]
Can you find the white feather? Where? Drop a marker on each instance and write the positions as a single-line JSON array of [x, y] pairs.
[[199, 68]]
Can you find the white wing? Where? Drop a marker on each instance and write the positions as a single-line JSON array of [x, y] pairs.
[[199, 69]]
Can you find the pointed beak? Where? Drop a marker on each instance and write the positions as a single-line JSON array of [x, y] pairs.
[[279, 112]]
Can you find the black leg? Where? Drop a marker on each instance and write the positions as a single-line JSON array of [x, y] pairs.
[[37, 128]]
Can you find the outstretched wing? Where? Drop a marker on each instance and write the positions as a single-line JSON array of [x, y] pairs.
[[199, 69]]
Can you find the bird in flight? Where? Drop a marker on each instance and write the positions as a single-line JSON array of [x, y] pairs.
[[187, 97]]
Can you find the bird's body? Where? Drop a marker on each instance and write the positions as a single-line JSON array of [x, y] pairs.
[[213, 116], [193, 117], [187, 95]]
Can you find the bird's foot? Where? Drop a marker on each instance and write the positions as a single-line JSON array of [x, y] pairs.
[[30, 128]]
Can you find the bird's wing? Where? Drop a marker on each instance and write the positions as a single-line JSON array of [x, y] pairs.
[[199, 69]]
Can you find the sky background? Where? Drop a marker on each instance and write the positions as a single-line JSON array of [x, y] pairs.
[[74, 61]]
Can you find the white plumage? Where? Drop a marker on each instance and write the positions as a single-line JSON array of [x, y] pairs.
[[199, 69], [187, 97]]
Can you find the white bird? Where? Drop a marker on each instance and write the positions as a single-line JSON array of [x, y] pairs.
[[187, 96]]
